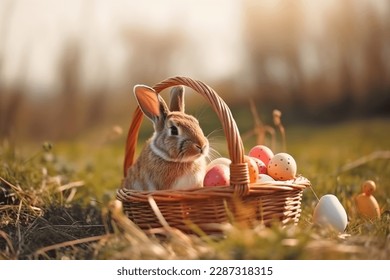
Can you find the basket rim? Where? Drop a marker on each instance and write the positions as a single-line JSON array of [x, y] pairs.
[[255, 189]]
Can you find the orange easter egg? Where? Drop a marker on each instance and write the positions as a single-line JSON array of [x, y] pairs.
[[253, 169]]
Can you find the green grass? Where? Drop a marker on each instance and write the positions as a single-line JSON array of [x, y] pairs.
[[57, 202]]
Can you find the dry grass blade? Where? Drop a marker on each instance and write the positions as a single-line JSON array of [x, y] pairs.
[[277, 117], [16, 189], [71, 185], [125, 223], [365, 159], [24, 200], [331, 246], [157, 212], [259, 129], [9, 247], [18, 214], [46, 249], [179, 242]]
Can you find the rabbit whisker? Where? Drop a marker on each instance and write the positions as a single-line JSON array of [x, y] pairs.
[[208, 136], [213, 154]]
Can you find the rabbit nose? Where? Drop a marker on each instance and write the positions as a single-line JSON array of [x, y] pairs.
[[201, 148]]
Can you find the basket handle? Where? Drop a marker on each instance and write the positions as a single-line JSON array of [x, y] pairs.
[[239, 174]]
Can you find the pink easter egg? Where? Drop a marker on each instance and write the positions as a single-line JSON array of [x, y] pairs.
[[261, 152], [218, 175]]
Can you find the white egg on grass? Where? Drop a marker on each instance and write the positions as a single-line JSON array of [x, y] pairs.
[[329, 212]]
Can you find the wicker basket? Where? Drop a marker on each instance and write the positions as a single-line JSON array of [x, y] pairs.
[[211, 208]]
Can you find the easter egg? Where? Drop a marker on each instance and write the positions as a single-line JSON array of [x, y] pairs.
[[253, 169], [261, 152], [263, 178], [282, 167], [330, 212], [218, 175], [261, 167], [220, 160]]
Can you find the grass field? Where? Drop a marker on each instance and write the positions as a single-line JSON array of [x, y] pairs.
[[57, 201]]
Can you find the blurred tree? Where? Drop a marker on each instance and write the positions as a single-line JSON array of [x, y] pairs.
[[9, 103], [350, 53], [272, 34], [360, 63], [376, 55], [68, 119], [151, 54]]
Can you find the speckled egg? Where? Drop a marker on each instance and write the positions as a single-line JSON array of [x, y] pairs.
[[261, 152], [282, 167], [261, 167], [217, 175]]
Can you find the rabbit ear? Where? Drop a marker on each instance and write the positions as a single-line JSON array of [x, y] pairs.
[[150, 102], [177, 99]]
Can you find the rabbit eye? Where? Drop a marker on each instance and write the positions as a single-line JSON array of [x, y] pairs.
[[174, 130]]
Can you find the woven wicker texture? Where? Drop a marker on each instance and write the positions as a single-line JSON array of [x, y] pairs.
[[209, 208]]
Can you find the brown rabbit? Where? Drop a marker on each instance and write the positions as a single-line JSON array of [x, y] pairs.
[[175, 156]]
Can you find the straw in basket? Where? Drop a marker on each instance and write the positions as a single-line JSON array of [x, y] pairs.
[[211, 208]]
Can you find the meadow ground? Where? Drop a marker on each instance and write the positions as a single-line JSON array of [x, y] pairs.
[[57, 201]]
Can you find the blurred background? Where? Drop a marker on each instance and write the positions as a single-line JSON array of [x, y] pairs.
[[68, 67]]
